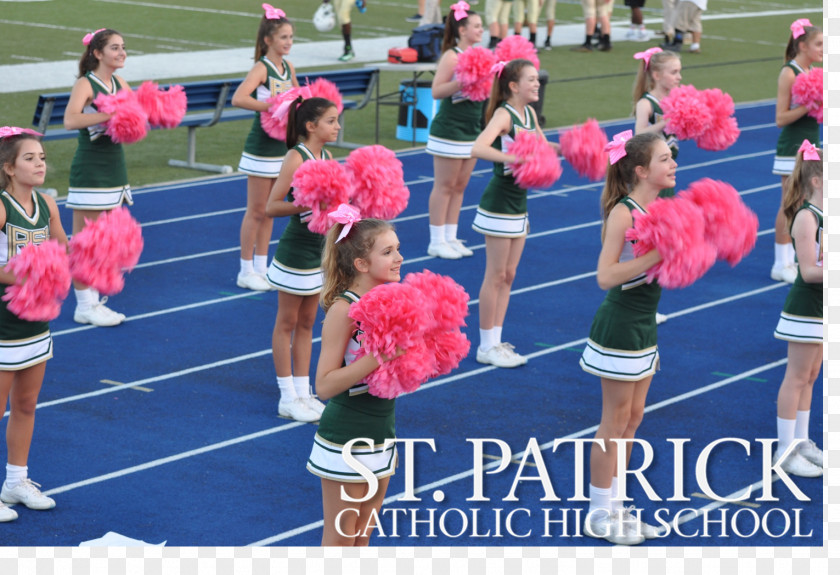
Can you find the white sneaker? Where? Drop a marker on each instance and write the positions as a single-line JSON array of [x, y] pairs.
[[796, 464], [632, 34], [785, 274], [631, 516], [661, 318], [252, 281], [99, 315], [508, 349], [498, 356], [26, 492], [642, 36], [611, 528], [297, 410], [7, 513], [444, 251], [810, 451], [458, 246], [315, 405]]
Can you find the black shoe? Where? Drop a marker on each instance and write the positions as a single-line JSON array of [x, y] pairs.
[[547, 44], [605, 46], [582, 48], [673, 47]]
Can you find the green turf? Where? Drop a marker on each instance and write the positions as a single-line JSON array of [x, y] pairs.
[[740, 56]]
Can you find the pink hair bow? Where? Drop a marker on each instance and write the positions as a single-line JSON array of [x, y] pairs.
[[347, 215], [798, 27], [272, 13], [498, 67], [9, 131], [809, 151], [89, 36], [646, 55], [460, 10], [616, 147]]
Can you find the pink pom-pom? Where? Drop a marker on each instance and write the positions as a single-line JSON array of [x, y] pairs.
[[379, 190], [473, 72], [446, 300], [807, 90], [675, 227], [583, 146], [275, 120], [391, 320], [164, 108], [128, 122], [448, 348], [322, 88], [43, 281], [686, 113], [730, 226], [722, 131], [105, 249], [321, 185], [515, 47], [537, 164]]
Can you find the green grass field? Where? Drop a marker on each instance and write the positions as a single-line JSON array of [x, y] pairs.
[[741, 56]]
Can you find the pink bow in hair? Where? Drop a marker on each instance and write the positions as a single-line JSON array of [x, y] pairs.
[[460, 10], [89, 36], [798, 27], [347, 215], [9, 131], [272, 13], [616, 147], [646, 55], [498, 67], [809, 151]]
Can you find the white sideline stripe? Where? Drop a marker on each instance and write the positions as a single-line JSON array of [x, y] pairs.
[[548, 445], [427, 386]]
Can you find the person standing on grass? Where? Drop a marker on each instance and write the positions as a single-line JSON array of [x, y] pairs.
[[532, 7], [295, 271], [687, 20], [451, 135], [26, 216], [368, 256], [637, 32], [804, 49], [262, 157], [497, 15], [345, 7], [801, 322], [98, 176], [502, 214], [549, 21], [622, 348], [596, 11]]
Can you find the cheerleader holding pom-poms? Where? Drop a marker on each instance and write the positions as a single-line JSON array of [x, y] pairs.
[[801, 322], [804, 49], [502, 212], [271, 75], [453, 130], [295, 271], [622, 347], [98, 177], [359, 255], [25, 346]]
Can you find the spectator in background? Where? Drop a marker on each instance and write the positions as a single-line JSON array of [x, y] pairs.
[[497, 14], [669, 7], [687, 20], [431, 12], [549, 22], [637, 32], [600, 11], [419, 15]]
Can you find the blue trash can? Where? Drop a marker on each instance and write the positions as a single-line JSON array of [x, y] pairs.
[[420, 115]]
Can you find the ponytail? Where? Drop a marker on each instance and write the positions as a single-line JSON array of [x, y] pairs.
[[89, 62], [302, 111], [501, 91]]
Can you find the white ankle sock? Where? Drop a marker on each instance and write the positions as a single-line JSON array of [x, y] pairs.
[[287, 388], [437, 234], [599, 500], [246, 266], [485, 339], [497, 334], [615, 504], [15, 474], [450, 232], [302, 386], [261, 264], [803, 418], [785, 428], [780, 255], [85, 299]]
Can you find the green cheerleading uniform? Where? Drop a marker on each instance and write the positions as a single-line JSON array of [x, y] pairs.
[[98, 176], [802, 315], [263, 155], [455, 126], [296, 266], [503, 209], [22, 343], [352, 414], [622, 339], [670, 139], [792, 135]]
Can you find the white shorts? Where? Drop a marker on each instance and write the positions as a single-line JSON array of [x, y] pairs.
[[99, 199], [260, 166], [326, 461]]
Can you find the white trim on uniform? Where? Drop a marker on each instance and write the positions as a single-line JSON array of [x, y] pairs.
[[326, 460], [22, 353], [619, 364], [501, 225], [783, 165], [260, 166], [295, 281], [799, 328], [99, 198], [449, 148]]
